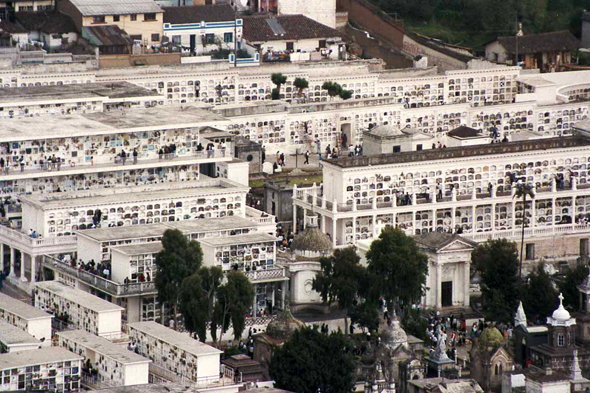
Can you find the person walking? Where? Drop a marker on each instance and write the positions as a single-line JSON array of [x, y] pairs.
[[282, 159], [135, 156], [21, 161], [306, 158]]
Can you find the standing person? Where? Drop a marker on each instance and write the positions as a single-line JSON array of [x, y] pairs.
[[21, 161], [278, 157], [135, 156], [306, 158], [282, 159], [318, 146], [2, 164], [263, 154], [123, 156]]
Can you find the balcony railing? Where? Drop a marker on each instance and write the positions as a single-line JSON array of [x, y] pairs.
[[18, 236], [101, 283], [258, 216], [512, 234], [314, 196], [102, 163], [275, 273]]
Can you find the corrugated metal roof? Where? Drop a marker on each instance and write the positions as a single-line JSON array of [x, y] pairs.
[[115, 7], [106, 35]]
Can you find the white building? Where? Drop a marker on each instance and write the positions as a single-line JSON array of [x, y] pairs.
[[52, 369], [466, 190], [176, 352], [116, 365], [79, 309], [13, 339], [32, 320], [322, 12]]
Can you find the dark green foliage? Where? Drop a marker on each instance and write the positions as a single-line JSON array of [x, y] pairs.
[[278, 79], [568, 286], [346, 94], [414, 324], [333, 88], [366, 315], [539, 297], [397, 268], [178, 259], [197, 297], [234, 298], [310, 362], [242, 54], [497, 262], [301, 84], [275, 94]]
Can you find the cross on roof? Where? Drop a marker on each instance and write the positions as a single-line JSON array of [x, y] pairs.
[[560, 297]]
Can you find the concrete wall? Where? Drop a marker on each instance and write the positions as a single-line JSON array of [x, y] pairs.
[[137, 27], [282, 202], [137, 374], [40, 329], [208, 366], [494, 48], [115, 61], [109, 324], [89, 250], [435, 58], [323, 11]]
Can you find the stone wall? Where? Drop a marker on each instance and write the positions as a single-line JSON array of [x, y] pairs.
[[115, 61]]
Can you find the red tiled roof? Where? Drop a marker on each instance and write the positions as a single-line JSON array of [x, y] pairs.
[[50, 22], [538, 43], [11, 28]]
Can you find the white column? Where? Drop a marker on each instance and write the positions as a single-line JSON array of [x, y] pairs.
[[438, 285], [574, 183], [294, 219], [12, 258], [33, 269], [553, 185], [473, 218], [454, 194], [323, 224], [466, 282], [453, 218], [573, 210], [334, 231], [353, 230], [493, 217], [413, 223], [433, 220], [304, 217], [553, 213], [1, 257], [534, 213], [22, 266], [375, 234]]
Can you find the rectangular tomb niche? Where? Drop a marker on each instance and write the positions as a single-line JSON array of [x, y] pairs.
[[503, 216]]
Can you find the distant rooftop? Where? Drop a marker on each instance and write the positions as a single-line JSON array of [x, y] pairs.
[[199, 13], [105, 123], [103, 346], [201, 225], [78, 296], [182, 341], [174, 388], [51, 22], [464, 132], [11, 335], [461, 152], [75, 91], [119, 7], [37, 357], [437, 240], [261, 28], [238, 239], [555, 41], [137, 249], [21, 309], [136, 194]]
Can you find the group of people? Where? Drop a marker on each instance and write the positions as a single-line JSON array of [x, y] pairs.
[[284, 240], [48, 163], [34, 234], [439, 328], [98, 269]]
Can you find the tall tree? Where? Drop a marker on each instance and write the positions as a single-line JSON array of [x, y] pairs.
[[539, 296], [197, 297], [497, 262], [178, 259], [278, 79], [569, 286], [332, 88], [397, 267], [311, 362], [523, 190], [301, 84], [234, 298], [340, 279]]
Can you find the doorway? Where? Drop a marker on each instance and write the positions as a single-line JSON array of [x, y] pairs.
[[447, 294], [346, 135], [193, 43]]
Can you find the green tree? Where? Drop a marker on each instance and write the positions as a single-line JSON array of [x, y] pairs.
[[414, 324], [301, 84], [397, 268], [569, 286], [539, 296], [178, 259], [233, 300], [497, 262], [523, 190], [346, 94], [366, 315], [311, 362], [197, 297], [340, 279], [278, 79], [334, 89]]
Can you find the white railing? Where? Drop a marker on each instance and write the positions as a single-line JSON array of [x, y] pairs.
[[258, 216], [528, 232], [268, 274], [35, 242]]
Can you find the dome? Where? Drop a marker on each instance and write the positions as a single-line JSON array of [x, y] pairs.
[[490, 337], [312, 240], [561, 314], [393, 335], [284, 325]]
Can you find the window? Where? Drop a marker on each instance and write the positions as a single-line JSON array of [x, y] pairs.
[[176, 39], [155, 37], [25, 8], [116, 18], [228, 37], [418, 147], [322, 43], [98, 19], [209, 39], [149, 17], [530, 252], [560, 340], [397, 149], [133, 17], [136, 37], [290, 46]]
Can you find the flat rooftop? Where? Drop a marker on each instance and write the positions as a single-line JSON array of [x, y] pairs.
[[38, 357], [77, 296], [137, 194], [137, 249], [238, 239], [21, 309], [74, 91], [11, 335], [462, 152], [103, 346], [199, 225], [107, 123], [180, 340]]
